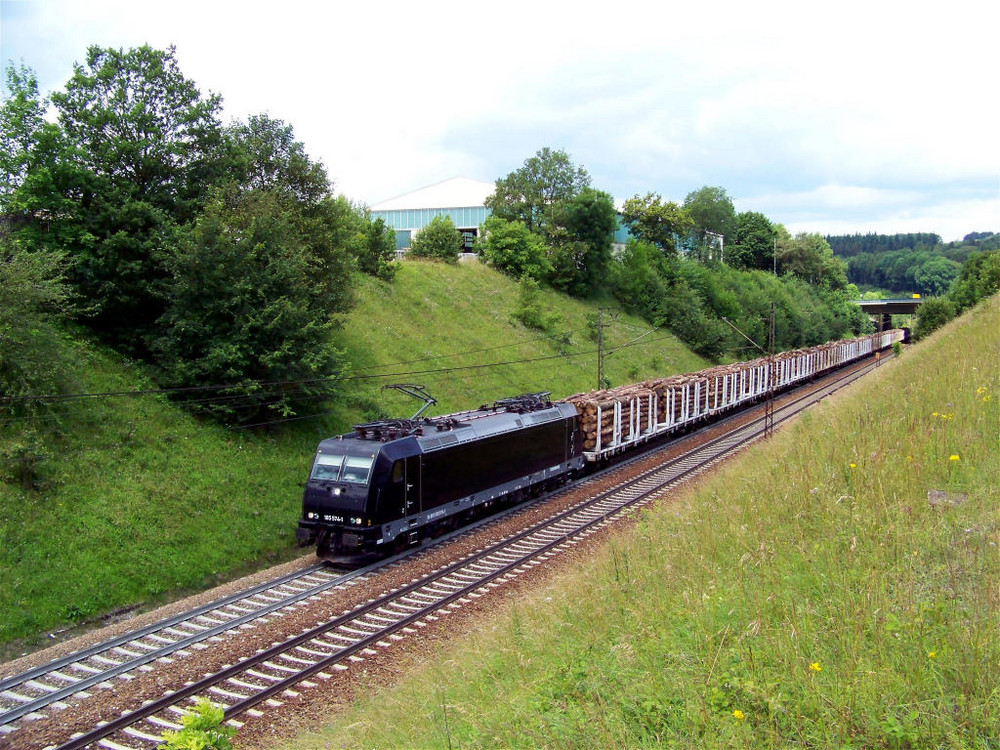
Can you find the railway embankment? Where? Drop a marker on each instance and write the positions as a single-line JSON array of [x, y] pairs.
[[113, 499], [836, 585]]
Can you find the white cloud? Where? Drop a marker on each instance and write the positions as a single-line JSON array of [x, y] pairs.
[[809, 107]]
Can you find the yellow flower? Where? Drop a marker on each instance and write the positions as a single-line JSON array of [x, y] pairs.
[[953, 457], [738, 715], [931, 654], [854, 466], [815, 667], [934, 414]]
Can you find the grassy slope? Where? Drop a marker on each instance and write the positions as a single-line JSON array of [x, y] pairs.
[[140, 501], [433, 310], [807, 594]]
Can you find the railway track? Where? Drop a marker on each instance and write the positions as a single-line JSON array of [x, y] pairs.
[[261, 679], [47, 685]]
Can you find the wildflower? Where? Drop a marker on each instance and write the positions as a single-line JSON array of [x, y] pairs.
[[854, 466], [931, 654], [934, 414], [953, 457], [738, 715], [815, 667]]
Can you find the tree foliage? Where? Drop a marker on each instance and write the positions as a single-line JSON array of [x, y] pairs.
[[33, 299], [902, 271], [375, 248], [552, 198], [267, 157], [218, 254], [978, 279], [808, 256], [753, 248], [439, 240], [711, 212], [533, 193], [691, 299], [245, 309], [148, 145], [933, 313], [651, 219], [21, 118], [143, 129], [580, 242], [848, 245], [511, 248]]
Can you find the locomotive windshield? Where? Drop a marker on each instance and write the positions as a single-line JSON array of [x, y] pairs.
[[327, 467], [331, 467], [357, 469]]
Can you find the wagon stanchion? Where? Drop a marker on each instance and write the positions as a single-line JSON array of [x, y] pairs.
[[769, 404]]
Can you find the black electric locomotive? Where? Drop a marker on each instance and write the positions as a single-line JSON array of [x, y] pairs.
[[389, 483]]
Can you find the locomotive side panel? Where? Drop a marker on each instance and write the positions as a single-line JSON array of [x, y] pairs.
[[490, 465]]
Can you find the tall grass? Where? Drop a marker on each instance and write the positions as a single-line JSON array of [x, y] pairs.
[[836, 586]]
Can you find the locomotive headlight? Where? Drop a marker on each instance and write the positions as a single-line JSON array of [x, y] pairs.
[[356, 520], [336, 490], [311, 516]]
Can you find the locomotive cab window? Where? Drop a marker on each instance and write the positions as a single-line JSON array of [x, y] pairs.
[[327, 467], [357, 469]]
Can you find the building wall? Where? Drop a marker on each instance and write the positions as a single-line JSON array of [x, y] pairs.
[[407, 222]]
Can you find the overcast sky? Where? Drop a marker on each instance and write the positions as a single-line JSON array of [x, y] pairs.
[[835, 118]]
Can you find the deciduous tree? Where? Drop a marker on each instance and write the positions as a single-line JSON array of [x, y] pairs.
[[149, 144], [660, 222], [267, 157], [580, 242], [810, 258], [533, 193], [249, 308], [711, 210], [754, 245]]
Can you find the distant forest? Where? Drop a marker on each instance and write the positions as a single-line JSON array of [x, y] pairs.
[[918, 262]]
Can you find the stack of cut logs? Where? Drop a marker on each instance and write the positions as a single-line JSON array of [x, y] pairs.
[[638, 397]]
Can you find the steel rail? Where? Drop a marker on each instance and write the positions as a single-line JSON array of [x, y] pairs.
[[658, 479]]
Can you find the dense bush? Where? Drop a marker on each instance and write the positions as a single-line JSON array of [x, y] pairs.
[[439, 240], [693, 299], [932, 314], [529, 311], [978, 279], [33, 298], [252, 302], [511, 248]]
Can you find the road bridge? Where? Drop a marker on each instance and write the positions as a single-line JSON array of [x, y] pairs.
[[882, 310]]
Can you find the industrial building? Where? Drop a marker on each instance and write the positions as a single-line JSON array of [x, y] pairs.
[[461, 199]]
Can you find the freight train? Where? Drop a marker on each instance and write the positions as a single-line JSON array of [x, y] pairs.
[[389, 484]]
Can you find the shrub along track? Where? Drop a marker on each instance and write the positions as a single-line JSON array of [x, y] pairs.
[[285, 662]]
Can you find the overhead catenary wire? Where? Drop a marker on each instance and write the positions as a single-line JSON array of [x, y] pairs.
[[264, 386]]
